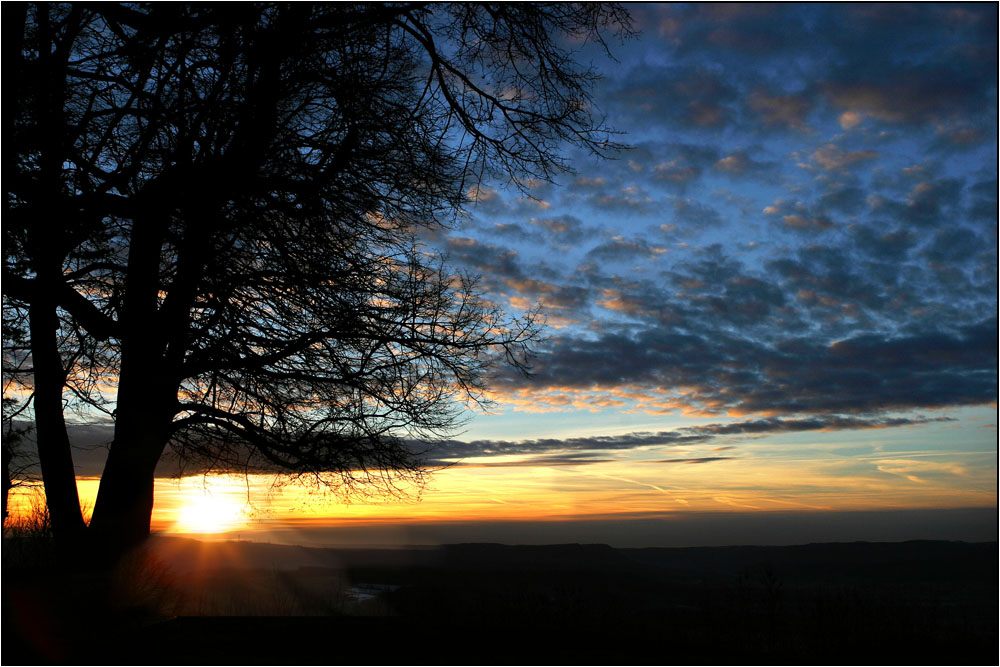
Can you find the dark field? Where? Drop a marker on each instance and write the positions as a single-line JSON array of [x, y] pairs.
[[188, 602]]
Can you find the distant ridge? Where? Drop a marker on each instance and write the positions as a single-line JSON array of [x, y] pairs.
[[927, 560], [922, 559], [563, 556]]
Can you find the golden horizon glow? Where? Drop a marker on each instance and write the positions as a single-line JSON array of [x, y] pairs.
[[828, 474]]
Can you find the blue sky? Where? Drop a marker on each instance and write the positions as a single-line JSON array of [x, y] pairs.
[[804, 227], [782, 297]]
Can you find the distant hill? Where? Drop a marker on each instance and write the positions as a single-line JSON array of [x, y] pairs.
[[186, 555], [828, 562]]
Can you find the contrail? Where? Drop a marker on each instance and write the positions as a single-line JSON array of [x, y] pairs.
[[620, 479]]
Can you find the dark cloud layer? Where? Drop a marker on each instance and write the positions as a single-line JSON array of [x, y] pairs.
[[887, 316], [858, 375], [584, 450], [916, 64]]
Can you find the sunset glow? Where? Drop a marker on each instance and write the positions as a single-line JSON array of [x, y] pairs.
[[780, 298], [209, 513], [819, 474]]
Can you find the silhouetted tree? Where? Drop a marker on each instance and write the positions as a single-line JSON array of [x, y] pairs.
[[211, 225]]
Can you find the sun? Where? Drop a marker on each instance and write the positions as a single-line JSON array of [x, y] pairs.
[[209, 513]]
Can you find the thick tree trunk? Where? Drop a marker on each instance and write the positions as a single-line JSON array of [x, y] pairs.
[[47, 244], [147, 395], [54, 454], [124, 504]]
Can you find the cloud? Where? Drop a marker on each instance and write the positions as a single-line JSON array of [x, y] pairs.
[[855, 65], [713, 334], [676, 166], [799, 217], [920, 471], [800, 223], [833, 272], [954, 245], [906, 93], [961, 133], [734, 164], [747, 300], [593, 449], [743, 30], [630, 198], [832, 157], [486, 200], [551, 295], [785, 111], [817, 423], [983, 205], [509, 231], [715, 372], [851, 119], [563, 229], [688, 95], [740, 164], [530, 206], [621, 249], [930, 201], [587, 184], [545, 461], [689, 213], [484, 258], [676, 171], [894, 245], [843, 198], [452, 449]]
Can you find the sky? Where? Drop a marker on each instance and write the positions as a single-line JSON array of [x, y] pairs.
[[774, 315]]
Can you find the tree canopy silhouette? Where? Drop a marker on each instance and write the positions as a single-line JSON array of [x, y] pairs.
[[211, 225]]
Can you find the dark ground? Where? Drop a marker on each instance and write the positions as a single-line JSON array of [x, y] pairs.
[[242, 603]]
